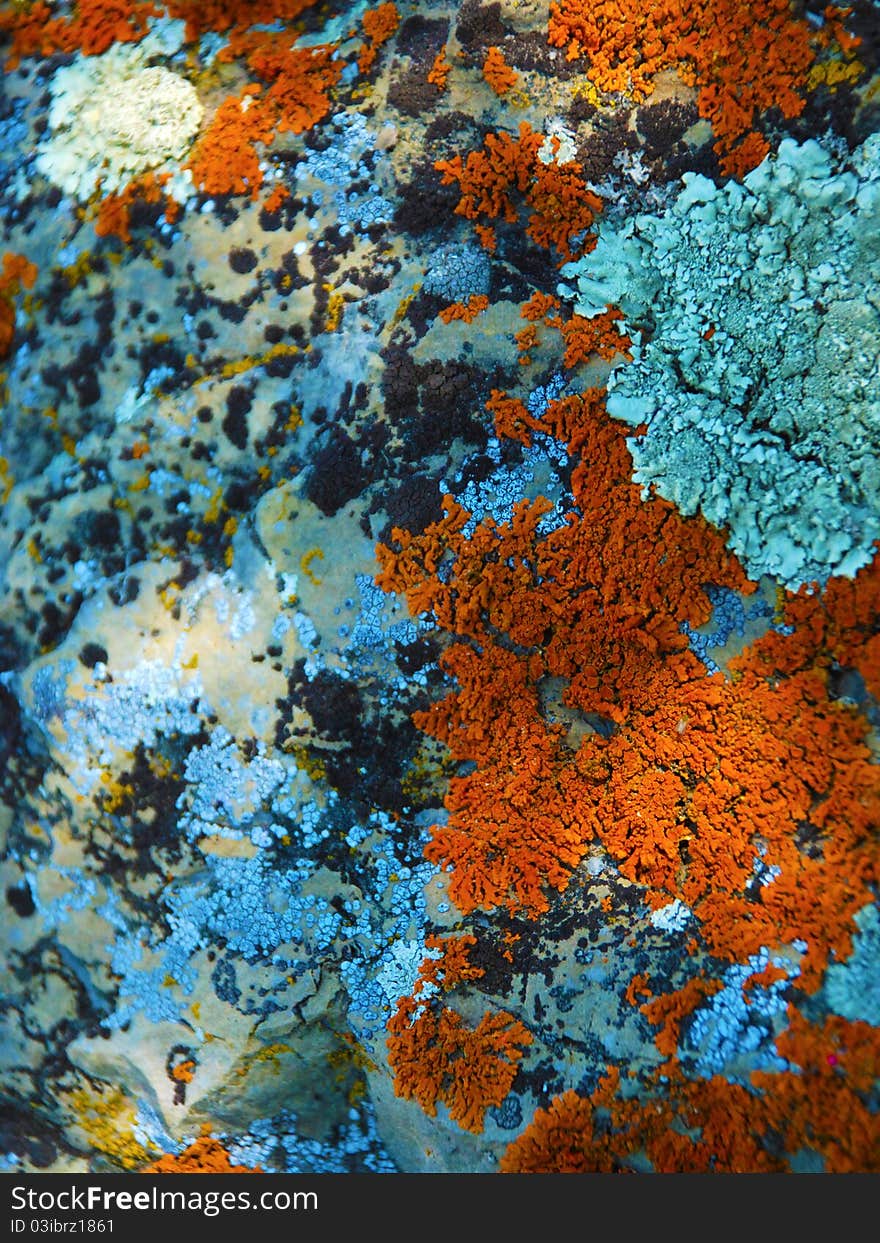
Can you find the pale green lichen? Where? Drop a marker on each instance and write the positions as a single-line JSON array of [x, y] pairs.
[[758, 357], [852, 988], [114, 117]]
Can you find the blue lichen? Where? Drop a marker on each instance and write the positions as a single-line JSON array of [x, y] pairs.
[[756, 373]]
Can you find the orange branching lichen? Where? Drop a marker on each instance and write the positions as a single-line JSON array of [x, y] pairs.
[[585, 338], [713, 1125], [512, 418], [379, 25], [487, 237], [526, 340], [115, 210], [669, 1009], [436, 1058], [560, 1140], [294, 94], [225, 159], [440, 70], [768, 975], [559, 207], [596, 602], [17, 272], [498, 73], [92, 27], [841, 626], [205, 1155], [753, 799], [220, 16], [451, 967], [539, 306], [275, 198], [742, 59], [467, 311], [300, 79]]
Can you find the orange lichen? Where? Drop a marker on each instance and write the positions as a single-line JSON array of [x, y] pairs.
[[751, 799], [539, 306], [275, 199], [225, 159], [560, 1140], [771, 974], [839, 626], [440, 70], [202, 16], [743, 60], [669, 1009], [299, 79], [559, 207], [526, 340], [512, 418], [17, 272], [205, 1155], [597, 602], [713, 1126], [379, 25], [114, 212], [487, 237], [293, 95], [92, 27], [467, 311], [436, 1058], [450, 967], [498, 73], [586, 338]]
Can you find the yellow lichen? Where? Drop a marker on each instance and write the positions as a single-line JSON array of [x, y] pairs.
[[305, 564], [108, 1120]]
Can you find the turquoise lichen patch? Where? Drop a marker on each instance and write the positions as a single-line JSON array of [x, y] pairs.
[[756, 374]]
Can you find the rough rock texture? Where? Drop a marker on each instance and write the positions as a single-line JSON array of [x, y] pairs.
[[398, 770]]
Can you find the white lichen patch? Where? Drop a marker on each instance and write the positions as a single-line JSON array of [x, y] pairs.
[[113, 118]]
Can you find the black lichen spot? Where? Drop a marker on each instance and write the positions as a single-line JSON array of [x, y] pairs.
[[225, 983], [334, 704], [238, 403], [336, 475], [414, 505], [97, 528], [242, 260], [422, 36], [479, 25], [232, 312], [21, 900], [125, 591], [57, 621], [529, 50], [425, 203], [662, 125], [413, 657], [93, 654], [509, 1114], [411, 93]]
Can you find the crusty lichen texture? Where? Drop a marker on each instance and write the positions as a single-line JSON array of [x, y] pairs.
[[115, 117], [757, 379], [439, 615]]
